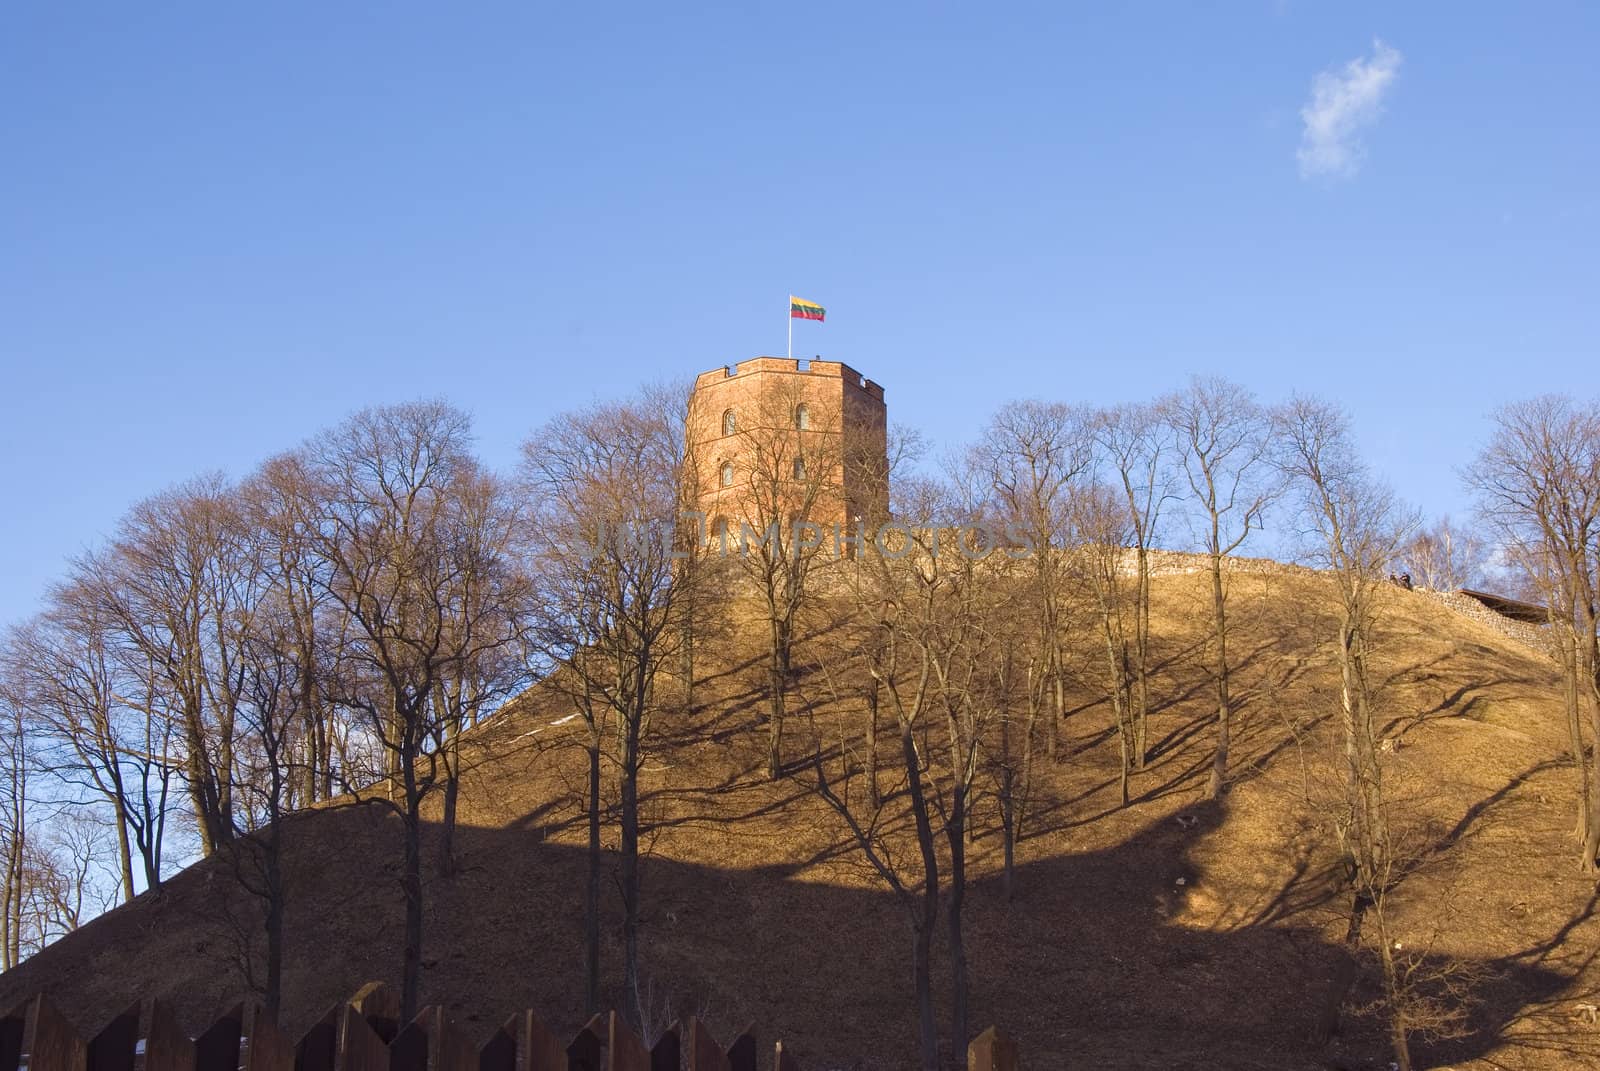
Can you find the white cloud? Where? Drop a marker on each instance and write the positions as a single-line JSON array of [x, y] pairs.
[[1344, 102]]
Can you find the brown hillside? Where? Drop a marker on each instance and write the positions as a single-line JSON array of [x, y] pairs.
[[758, 908]]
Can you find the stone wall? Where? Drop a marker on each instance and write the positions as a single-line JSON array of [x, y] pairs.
[[1534, 636]]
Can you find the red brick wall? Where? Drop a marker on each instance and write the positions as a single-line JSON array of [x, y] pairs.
[[847, 420]]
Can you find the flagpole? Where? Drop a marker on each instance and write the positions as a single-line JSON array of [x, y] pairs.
[[791, 329]]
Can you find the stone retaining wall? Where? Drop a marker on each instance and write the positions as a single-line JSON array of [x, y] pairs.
[[1534, 636]]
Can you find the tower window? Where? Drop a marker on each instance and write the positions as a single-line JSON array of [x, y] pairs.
[[729, 424], [799, 468], [802, 417], [727, 473]]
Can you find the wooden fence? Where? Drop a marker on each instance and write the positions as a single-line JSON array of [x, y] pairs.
[[365, 1034]]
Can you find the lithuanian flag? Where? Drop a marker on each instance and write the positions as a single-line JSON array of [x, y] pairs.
[[804, 310]]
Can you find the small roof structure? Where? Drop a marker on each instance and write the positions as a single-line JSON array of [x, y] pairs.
[[1515, 609]]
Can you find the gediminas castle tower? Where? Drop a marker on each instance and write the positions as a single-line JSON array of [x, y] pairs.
[[818, 426]]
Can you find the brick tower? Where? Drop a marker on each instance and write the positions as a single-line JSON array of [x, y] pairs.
[[773, 438]]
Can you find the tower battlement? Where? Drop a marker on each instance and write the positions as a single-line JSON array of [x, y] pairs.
[[789, 365]]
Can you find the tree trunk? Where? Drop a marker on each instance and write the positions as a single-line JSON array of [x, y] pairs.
[[777, 686], [1344, 976], [686, 661], [1126, 757], [957, 897], [922, 974], [1121, 700], [1050, 638], [775, 732], [1571, 701], [325, 755], [124, 855], [872, 744], [1008, 832], [928, 918], [1399, 1044], [1141, 662], [411, 883], [317, 763], [452, 789], [1350, 726], [591, 899], [224, 790], [11, 901], [447, 824], [1591, 843], [1587, 664], [1057, 691], [630, 852], [151, 856], [1219, 764], [1045, 698], [202, 789]]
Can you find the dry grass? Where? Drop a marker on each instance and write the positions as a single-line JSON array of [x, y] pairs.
[[759, 910]]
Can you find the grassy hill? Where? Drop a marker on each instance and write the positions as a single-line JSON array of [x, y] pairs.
[[1134, 940]]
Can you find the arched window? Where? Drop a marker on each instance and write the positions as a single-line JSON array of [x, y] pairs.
[[729, 424], [799, 468], [727, 474], [802, 417]]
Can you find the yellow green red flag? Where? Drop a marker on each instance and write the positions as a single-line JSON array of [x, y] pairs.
[[804, 310]]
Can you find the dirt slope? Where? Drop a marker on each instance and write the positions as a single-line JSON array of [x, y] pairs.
[[1134, 941]]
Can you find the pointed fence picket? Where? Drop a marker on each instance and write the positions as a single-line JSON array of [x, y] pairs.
[[365, 1034]]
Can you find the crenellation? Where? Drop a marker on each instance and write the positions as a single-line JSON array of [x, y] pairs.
[[813, 366]]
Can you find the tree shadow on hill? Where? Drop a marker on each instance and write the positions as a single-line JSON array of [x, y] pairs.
[[1465, 675], [1102, 959]]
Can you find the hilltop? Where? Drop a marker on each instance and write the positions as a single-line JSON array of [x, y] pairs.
[[1135, 939]]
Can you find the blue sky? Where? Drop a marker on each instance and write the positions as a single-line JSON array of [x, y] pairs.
[[223, 227]]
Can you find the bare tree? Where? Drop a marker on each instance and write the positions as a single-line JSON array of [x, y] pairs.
[[1136, 445], [1034, 453], [486, 617], [101, 737], [608, 483], [891, 485], [15, 765], [570, 632], [278, 669], [1538, 485], [264, 775], [1013, 684], [389, 512], [970, 688], [172, 583], [929, 622], [280, 506], [1021, 692], [1102, 529], [51, 855], [1360, 529], [61, 880], [1545, 570], [1223, 444], [896, 604], [1443, 557]]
